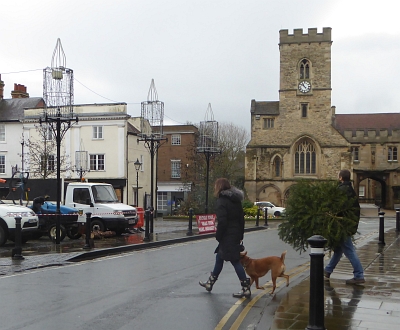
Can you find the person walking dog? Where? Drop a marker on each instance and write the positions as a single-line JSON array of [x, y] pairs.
[[346, 247], [230, 231]]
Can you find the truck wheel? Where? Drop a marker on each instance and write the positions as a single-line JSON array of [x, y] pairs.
[[53, 232], [3, 238], [73, 232], [97, 225]]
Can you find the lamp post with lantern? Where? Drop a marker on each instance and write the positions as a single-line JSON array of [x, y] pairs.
[[137, 164]]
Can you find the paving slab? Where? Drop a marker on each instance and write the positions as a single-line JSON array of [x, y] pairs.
[[374, 305]]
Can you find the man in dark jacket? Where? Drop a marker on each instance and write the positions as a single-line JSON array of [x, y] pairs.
[[230, 231], [346, 247]]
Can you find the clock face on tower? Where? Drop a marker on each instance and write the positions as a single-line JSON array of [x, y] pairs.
[[304, 86]]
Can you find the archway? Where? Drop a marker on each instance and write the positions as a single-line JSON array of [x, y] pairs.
[[371, 187], [370, 191], [286, 194], [270, 193]]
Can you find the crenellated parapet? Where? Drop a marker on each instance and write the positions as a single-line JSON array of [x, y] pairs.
[[299, 37], [372, 135]]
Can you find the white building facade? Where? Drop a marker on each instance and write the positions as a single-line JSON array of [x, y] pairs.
[[98, 147]]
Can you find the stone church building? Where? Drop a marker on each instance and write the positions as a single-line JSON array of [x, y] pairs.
[[301, 136]]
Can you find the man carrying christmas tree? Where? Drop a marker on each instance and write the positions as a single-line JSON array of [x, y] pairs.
[[346, 247]]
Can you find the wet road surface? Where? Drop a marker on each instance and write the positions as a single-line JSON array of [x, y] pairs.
[[148, 289]]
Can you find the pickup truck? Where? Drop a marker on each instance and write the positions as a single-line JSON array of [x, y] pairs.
[[100, 200], [29, 222]]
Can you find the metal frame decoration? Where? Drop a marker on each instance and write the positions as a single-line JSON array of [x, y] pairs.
[[151, 132], [81, 163], [58, 95], [208, 143]]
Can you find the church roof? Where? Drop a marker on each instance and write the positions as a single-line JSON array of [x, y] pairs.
[[13, 109], [264, 107], [367, 121]]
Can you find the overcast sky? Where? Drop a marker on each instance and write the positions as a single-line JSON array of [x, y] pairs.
[[223, 52]]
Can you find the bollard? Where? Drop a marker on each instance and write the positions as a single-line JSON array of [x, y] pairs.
[[258, 217], [146, 231], [266, 217], [88, 230], [16, 252], [190, 231], [381, 228], [317, 303], [151, 219], [397, 220]]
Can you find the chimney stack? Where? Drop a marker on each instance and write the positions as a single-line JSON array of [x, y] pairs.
[[1, 88], [19, 92]]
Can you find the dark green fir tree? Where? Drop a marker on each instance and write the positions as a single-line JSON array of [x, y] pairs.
[[317, 208]]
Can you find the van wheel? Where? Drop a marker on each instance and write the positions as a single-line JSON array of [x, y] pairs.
[[53, 232], [3, 238], [97, 225]]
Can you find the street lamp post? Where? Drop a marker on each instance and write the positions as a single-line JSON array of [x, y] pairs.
[[137, 168]]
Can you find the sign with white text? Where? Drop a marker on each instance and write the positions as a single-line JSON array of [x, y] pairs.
[[206, 223]]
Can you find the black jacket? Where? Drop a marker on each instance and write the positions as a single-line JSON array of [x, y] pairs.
[[230, 227], [351, 194]]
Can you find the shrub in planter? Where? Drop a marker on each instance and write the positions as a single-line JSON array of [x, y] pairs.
[[317, 208], [250, 211]]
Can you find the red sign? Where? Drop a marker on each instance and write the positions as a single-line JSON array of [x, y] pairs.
[[206, 223]]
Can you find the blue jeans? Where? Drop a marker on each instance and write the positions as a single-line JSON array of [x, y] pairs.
[[219, 264], [347, 248]]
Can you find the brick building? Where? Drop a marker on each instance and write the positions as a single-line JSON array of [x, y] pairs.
[[175, 158], [301, 136]]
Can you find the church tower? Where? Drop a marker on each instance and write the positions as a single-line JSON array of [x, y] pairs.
[[305, 78], [294, 138]]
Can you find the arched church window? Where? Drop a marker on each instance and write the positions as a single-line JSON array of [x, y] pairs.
[[277, 166], [305, 69], [305, 158]]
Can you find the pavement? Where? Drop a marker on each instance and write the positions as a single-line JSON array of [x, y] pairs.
[[374, 305]]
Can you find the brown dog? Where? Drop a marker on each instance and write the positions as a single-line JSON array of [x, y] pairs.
[[257, 268]]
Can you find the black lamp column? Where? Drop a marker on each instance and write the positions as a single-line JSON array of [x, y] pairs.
[[137, 168]]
